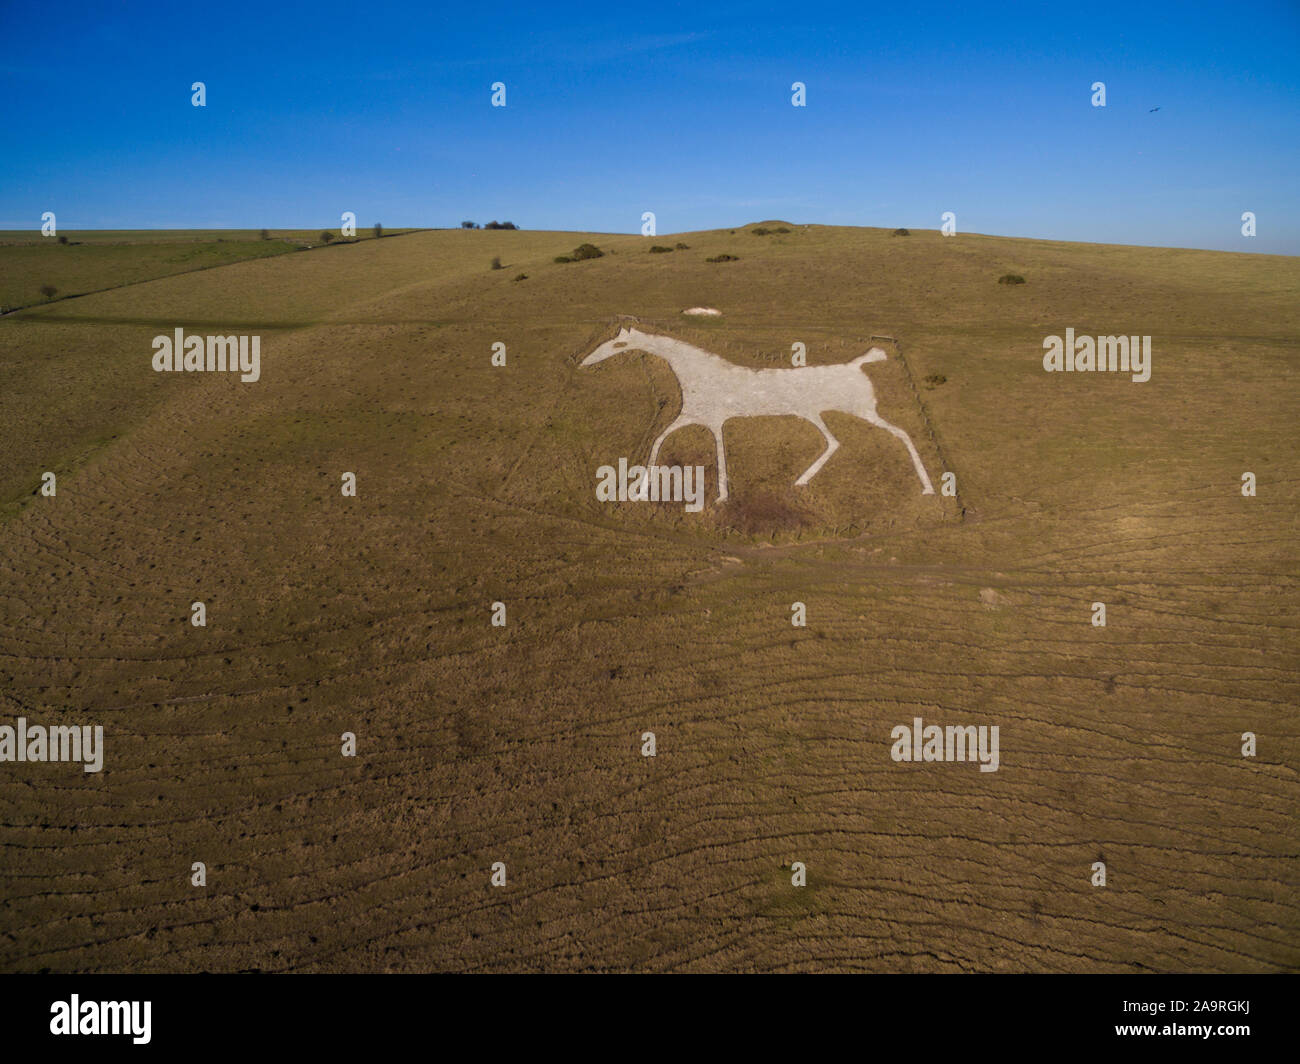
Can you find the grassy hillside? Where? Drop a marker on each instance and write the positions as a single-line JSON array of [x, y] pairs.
[[521, 744], [94, 260]]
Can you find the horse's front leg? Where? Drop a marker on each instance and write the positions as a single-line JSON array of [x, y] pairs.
[[682, 421]]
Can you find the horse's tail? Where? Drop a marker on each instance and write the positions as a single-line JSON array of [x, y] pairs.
[[874, 355]]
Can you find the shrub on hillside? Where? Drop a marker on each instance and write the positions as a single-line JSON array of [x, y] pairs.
[[659, 249], [723, 258], [496, 263], [326, 236], [902, 232], [582, 251], [49, 291], [682, 247], [522, 277], [760, 231], [1011, 278]]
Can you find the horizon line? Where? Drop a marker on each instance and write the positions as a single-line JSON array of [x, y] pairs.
[[399, 229]]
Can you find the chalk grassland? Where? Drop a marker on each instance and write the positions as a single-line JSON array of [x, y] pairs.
[[97, 259], [476, 484]]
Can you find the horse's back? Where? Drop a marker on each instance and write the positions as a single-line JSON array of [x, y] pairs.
[[737, 391]]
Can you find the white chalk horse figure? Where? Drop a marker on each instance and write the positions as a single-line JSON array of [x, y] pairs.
[[714, 390]]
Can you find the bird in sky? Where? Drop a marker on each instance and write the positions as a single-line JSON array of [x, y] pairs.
[[1153, 110]]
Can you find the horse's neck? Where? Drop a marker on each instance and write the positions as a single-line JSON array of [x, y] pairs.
[[682, 356]]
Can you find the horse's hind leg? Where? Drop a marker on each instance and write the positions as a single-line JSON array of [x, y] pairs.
[[926, 487], [722, 465], [832, 445]]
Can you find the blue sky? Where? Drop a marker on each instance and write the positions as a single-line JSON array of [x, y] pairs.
[[680, 109]]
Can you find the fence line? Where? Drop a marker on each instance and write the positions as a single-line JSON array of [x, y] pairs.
[[925, 416]]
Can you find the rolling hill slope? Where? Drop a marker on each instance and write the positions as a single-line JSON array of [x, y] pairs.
[[522, 744]]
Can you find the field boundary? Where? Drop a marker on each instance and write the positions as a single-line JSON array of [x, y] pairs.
[[6, 311], [925, 414]]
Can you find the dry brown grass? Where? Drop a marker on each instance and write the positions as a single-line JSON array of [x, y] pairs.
[[479, 744]]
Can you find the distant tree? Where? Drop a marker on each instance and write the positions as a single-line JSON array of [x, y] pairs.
[[49, 291], [326, 236], [379, 229], [63, 240], [266, 234], [902, 232], [467, 225], [509, 225]]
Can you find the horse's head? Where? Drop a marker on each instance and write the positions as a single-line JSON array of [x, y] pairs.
[[625, 340]]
